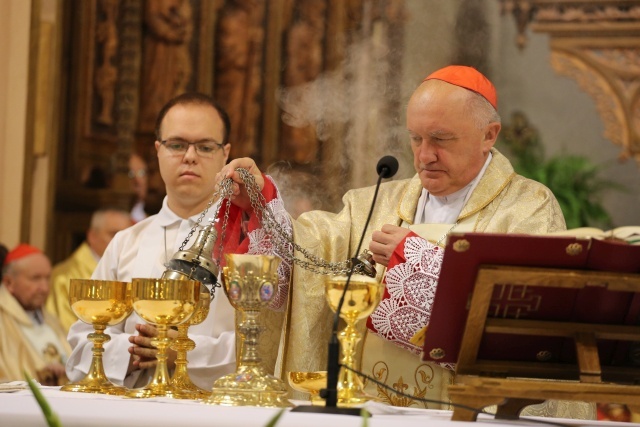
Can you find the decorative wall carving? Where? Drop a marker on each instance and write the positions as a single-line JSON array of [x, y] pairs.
[[597, 43], [609, 107], [167, 64], [106, 73], [304, 63], [123, 59], [239, 72]]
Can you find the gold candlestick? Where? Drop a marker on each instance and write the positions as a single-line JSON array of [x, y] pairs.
[[249, 282], [163, 303], [100, 303], [361, 298]]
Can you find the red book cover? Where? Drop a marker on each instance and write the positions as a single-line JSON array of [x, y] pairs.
[[464, 255]]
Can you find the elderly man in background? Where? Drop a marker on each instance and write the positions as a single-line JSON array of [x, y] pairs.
[[462, 183], [32, 339], [105, 223]]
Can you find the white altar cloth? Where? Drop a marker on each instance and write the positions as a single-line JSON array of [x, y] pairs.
[[19, 408]]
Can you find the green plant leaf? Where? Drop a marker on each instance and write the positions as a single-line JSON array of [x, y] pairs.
[[49, 415], [274, 420], [365, 417], [575, 180]]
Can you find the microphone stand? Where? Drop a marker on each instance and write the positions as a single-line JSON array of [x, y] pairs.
[[330, 393]]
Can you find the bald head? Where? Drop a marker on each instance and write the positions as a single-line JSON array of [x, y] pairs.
[[105, 223], [452, 130]]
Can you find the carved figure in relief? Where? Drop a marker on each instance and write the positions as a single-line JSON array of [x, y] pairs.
[[106, 73], [233, 65], [304, 54], [166, 67]]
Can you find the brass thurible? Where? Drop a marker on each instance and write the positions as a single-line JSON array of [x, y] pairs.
[[195, 263]]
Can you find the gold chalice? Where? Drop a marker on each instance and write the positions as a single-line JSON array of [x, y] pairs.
[[309, 382], [181, 384], [249, 282], [361, 298], [100, 303], [163, 303]]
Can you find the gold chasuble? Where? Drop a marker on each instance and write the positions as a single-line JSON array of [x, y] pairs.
[[502, 202], [79, 265], [25, 346]]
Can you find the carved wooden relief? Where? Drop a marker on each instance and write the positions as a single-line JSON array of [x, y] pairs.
[[597, 43], [303, 64], [610, 95], [106, 71], [239, 44], [126, 58], [167, 65]]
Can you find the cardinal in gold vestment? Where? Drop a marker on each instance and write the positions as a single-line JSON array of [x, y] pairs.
[[462, 183], [32, 339]]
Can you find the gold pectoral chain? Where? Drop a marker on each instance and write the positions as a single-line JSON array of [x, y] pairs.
[[281, 239]]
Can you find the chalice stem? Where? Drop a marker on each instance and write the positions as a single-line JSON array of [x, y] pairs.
[[98, 338], [250, 331], [181, 345], [181, 383], [348, 382], [160, 379]]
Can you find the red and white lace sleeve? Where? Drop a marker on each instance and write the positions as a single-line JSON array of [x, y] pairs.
[[411, 279]]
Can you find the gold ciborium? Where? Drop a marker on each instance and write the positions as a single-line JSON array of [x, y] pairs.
[[361, 298], [249, 282], [100, 303], [163, 303], [181, 384], [309, 382]]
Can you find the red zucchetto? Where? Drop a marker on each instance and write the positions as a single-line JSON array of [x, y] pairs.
[[20, 251], [468, 78]]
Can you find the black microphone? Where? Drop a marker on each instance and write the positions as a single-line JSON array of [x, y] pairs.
[[386, 168]]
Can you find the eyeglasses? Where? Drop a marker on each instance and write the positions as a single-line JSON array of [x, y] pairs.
[[178, 147]]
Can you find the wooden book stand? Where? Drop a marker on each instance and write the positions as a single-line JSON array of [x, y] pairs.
[[532, 318], [511, 384]]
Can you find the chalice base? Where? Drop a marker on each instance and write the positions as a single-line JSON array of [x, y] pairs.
[[150, 391], [350, 390], [249, 386], [188, 390], [95, 385]]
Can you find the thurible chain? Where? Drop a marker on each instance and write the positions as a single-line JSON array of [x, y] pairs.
[[282, 240]]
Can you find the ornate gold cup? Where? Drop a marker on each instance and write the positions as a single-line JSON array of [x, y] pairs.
[[100, 303], [361, 298], [309, 382], [249, 282], [163, 303], [181, 384]]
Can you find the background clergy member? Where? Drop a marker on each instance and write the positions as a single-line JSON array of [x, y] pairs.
[[32, 339], [105, 223]]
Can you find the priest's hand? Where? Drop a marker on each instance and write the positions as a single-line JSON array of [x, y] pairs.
[[144, 352], [385, 241], [240, 197]]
